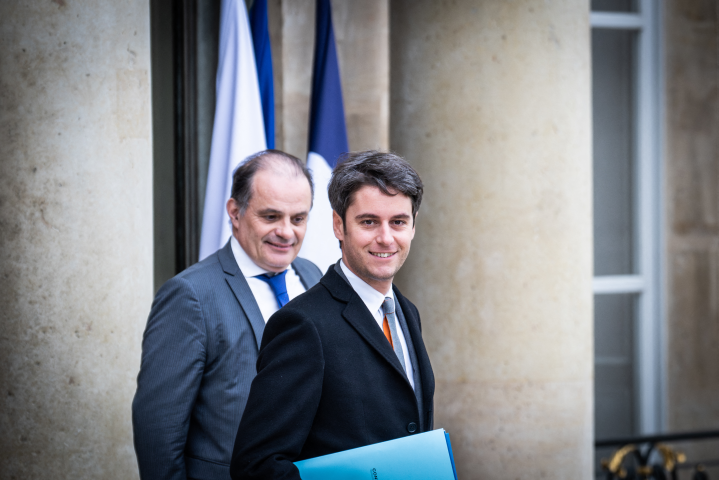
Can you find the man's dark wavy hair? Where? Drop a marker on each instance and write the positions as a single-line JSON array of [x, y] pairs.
[[385, 170]]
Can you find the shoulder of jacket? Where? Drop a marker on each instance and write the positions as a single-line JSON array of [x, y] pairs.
[[304, 263]]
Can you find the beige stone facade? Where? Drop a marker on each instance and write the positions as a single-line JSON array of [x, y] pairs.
[[501, 264], [692, 219], [491, 101], [76, 233]]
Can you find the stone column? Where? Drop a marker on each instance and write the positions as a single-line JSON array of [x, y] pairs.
[[76, 234], [692, 220], [491, 102]]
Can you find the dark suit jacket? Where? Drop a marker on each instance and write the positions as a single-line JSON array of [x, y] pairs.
[[198, 360], [328, 380]]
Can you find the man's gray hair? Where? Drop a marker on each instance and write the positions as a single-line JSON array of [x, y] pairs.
[[244, 175], [384, 170]]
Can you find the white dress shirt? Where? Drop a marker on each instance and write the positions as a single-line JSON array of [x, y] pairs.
[[374, 300], [264, 296]]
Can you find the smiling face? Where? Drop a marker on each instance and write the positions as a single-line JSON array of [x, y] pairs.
[[376, 235], [273, 226]]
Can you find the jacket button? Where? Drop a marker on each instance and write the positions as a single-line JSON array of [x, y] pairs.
[[411, 427]]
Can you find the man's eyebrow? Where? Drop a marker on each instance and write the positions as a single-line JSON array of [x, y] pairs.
[[372, 216], [269, 211], [366, 216], [272, 211]]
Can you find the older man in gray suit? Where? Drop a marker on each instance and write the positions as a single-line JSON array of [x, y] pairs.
[[204, 330]]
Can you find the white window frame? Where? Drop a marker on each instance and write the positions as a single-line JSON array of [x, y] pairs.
[[647, 283]]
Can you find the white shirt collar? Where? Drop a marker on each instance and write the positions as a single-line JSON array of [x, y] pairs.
[[247, 265], [371, 297]]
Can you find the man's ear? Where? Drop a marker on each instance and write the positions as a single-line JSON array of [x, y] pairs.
[[338, 226], [233, 210]]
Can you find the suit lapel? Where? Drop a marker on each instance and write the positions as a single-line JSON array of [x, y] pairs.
[[357, 315], [425, 369], [236, 280], [416, 376]]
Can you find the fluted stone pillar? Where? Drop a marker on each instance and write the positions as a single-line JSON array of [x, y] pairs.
[[76, 234], [491, 102]]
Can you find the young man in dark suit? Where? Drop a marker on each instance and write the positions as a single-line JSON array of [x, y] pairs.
[[344, 365], [204, 330]]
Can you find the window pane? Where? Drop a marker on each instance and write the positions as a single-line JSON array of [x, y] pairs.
[[613, 122], [614, 6], [614, 392]]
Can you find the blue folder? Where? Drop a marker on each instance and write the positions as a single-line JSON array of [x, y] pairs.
[[425, 455]]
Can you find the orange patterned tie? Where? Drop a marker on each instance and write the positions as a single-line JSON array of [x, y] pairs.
[[387, 333], [389, 327]]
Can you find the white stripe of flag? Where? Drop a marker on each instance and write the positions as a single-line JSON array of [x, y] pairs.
[[238, 129]]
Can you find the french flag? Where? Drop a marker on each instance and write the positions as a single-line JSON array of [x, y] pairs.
[[328, 139], [239, 128]]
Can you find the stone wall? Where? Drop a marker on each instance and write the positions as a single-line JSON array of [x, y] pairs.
[[76, 234], [491, 102], [691, 46]]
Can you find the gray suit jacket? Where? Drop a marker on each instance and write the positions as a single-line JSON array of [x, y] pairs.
[[199, 355]]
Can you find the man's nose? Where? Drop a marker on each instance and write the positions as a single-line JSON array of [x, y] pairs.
[[384, 236], [284, 229]]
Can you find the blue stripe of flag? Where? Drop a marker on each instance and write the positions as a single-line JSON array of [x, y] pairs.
[[328, 132], [263, 59]]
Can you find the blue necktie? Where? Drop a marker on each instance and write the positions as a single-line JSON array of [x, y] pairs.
[[278, 286]]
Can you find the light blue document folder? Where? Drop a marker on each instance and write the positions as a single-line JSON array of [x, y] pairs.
[[425, 455]]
